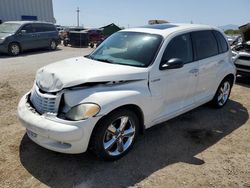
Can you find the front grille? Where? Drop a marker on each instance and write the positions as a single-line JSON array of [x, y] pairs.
[[44, 102], [242, 66], [247, 58]]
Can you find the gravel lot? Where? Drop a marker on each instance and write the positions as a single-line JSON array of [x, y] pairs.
[[202, 148]]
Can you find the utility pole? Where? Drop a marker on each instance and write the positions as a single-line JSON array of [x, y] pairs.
[[77, 11]]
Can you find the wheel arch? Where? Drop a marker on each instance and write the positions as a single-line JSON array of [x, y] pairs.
[[15, 42], [136, 109], [231, 77]]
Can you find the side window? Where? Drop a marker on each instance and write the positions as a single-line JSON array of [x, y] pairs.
[[49, 27], [179, 47], [223, 47], [28, 28], [52, 28], [205, 44], [38, 27]]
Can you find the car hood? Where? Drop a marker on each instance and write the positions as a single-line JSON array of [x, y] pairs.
[[245, 32], [81, 70], [4, 35]]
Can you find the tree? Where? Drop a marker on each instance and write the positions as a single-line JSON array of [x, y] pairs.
[[232, 32]]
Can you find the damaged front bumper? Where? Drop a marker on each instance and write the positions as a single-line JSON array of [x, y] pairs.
[[53, 133]]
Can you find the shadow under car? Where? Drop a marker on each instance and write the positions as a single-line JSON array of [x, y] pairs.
[[177, 140]]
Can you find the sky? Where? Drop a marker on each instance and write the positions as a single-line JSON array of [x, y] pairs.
[[131, 13]]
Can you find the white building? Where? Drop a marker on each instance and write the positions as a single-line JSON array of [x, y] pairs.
[[16, 10]]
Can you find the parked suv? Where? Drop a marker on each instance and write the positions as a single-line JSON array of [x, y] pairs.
[[135, 79], [16, 37]]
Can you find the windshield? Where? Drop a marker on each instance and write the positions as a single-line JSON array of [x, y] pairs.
[[9, 27], [128, 48]]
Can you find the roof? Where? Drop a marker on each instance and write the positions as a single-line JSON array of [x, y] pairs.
[[27, 22], [169, 28]]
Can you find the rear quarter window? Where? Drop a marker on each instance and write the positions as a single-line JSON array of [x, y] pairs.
[[205, 44], [223, 46]]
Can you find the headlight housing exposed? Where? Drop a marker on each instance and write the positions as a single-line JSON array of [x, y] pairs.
[[82, 111]]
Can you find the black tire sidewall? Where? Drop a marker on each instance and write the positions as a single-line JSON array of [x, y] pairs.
[[51, 45], [100, 130], [215, 101]]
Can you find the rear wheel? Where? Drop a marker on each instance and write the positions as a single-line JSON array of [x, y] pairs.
[[223, 92], [65, 43], [53, 45], [115, 135], [14, 49]]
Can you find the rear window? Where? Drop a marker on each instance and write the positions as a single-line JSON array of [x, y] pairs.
[[205, 44], [223, 47]]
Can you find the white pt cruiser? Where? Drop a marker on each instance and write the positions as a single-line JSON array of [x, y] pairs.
[[135, 79]]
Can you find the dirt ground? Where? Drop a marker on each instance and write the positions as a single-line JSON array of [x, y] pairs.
[[203, 148]]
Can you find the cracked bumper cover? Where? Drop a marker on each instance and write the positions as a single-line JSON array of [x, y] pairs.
[[53, 133]]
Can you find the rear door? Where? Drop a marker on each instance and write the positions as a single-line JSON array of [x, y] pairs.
[[206, 53], [40, 33]]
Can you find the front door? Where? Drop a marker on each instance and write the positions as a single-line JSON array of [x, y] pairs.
[[173, 90], [27, 39]]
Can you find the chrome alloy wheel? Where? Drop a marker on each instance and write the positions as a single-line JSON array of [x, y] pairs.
[[15, 49], [119, 136], [224, 92]]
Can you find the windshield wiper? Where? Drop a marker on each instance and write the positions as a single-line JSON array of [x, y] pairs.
[[103, 60]]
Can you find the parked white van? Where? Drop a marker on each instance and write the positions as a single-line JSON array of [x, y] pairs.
[[135, 79]]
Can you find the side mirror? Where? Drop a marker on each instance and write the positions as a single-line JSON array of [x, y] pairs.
[[174, 63], [23, 32]]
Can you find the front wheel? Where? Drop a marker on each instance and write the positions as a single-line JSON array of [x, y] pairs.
[[222, 94], [14, 49], [115, 135]]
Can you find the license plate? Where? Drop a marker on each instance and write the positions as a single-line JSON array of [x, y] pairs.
[[32, 134]]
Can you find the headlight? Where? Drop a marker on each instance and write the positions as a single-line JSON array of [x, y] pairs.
[[82, 111]]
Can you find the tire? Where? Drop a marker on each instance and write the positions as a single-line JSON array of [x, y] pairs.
[[110, 139], [222, 94], [65, 43], [14, 49], [53, 45], [92, 45]]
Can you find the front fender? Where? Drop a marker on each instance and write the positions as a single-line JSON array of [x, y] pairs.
[[110, 98]]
